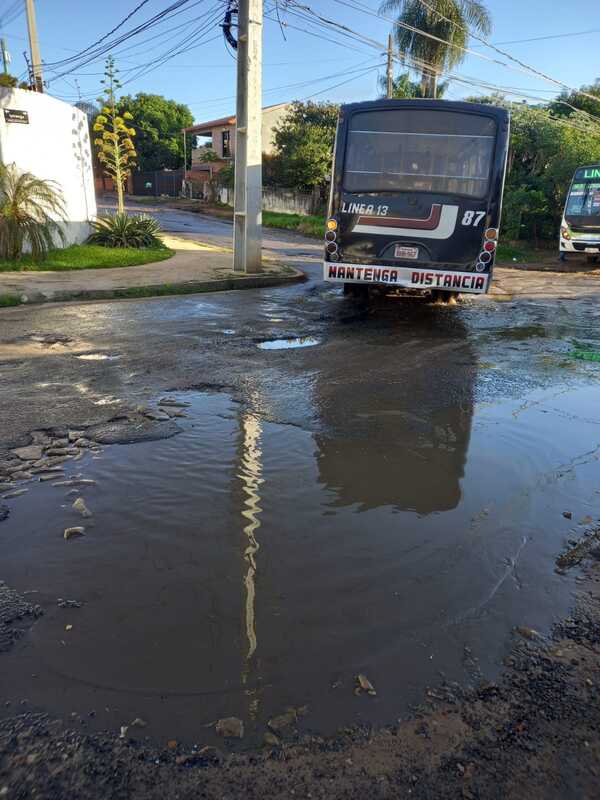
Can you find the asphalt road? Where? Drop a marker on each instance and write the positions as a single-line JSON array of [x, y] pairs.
[[211, 340], [377, 490]]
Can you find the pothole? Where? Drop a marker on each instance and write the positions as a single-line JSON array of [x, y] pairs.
[[289, 344]]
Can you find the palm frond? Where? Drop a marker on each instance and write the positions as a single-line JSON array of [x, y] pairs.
[[448, 20], [31, 213], [121, 230]]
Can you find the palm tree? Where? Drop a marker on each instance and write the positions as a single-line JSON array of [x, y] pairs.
[[31, 210], [449, 20], [404, 88]]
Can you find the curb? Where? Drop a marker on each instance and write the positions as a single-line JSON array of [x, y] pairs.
[[153, 290]]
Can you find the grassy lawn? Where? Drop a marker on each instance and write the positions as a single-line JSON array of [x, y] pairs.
[[88, 256], [510, 253], [308, 225], [9, 300]]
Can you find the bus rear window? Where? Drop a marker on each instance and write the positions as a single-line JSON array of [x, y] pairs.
[[405, 150]]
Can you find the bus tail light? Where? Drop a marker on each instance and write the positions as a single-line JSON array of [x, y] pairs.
[[491, 233], [332, 225], [330, 236], [331, 247], [489, 247], [485, 257]]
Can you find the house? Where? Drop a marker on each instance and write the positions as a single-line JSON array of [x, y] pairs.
[[50, 138], [215, 140]]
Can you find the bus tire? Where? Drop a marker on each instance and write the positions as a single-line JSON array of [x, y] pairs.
[[444, 298], [356, 290], [591, 259]]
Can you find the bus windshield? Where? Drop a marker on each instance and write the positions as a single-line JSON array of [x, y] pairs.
[[419, 150], [584, 197]]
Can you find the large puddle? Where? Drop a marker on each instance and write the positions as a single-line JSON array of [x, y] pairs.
[[246, 566]]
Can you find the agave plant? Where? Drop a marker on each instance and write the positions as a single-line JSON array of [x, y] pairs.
[[31, 212], [120, 230]]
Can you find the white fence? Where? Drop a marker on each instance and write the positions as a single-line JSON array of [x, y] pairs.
[[282, 200]]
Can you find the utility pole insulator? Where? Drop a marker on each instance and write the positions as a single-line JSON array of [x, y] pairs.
[[390, 69], [34, 47], [247, 231]]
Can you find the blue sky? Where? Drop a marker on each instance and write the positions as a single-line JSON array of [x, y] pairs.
[[301, 65]]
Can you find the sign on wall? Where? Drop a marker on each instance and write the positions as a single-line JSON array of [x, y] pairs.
[[14, 115]]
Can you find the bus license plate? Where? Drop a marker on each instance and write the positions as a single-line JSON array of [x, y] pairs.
[[592, 250], [406, 252]]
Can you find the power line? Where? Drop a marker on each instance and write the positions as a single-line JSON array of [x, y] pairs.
[[341, 83], [359, 68], [550, 36], [12, 13], [95, 51], [116, 28], [509, 56]]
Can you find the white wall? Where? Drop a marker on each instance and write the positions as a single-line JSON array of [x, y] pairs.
[[55, 145]]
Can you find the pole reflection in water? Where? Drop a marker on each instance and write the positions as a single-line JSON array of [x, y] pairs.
[[251, 477]]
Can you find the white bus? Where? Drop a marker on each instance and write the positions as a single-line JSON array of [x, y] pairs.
[[580, 229]]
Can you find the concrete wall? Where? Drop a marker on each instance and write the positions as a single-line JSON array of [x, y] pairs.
[[291, 202], [271, 117], [55, 145], [283, 201]]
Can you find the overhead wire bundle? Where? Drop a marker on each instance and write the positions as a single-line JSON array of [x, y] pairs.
[[12, 13]]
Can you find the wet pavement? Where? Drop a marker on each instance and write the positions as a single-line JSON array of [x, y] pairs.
[[377, 490]]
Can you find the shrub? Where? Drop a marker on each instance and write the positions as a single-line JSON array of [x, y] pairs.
[[31, 210], [120, 230]]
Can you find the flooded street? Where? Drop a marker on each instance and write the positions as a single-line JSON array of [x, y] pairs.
[[378, 491]]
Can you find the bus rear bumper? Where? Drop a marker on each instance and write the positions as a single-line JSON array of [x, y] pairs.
[[407, 277]]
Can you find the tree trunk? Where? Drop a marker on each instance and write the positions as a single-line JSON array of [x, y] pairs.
[[429, 84], [119, 181]]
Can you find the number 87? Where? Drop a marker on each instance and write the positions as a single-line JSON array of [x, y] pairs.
[[473, 217]]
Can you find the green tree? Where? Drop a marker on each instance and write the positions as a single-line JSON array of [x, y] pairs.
[[208, 156], [403, 87], [159, 124], [544, 154], [446, 19], [304, 144], [10, 82], [493, 99], [31, 210], [575, 100], [115, 149]]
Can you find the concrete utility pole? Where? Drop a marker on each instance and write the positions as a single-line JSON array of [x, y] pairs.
[[34, 47], [5, 56], [390, 69], [247, 230]]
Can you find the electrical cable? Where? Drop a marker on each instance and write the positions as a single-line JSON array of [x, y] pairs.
[[12, 13], [97, 49], [509, 56]]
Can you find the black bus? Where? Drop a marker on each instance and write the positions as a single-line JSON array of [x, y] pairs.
[[416, 196]]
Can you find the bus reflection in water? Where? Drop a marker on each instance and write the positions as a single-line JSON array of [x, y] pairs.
[[399, 435], [416, 196]]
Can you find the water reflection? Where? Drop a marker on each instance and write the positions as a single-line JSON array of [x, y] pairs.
[[398, 422], [250, 475]]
